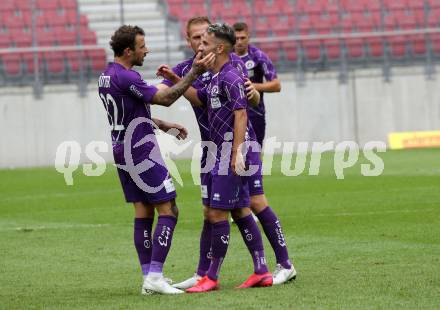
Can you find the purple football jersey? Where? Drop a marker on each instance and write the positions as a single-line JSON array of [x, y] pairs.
[[202, 81], [126, 96], [223, 95], [258, 66]]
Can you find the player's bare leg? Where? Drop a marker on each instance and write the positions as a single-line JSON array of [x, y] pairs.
[[284, 271], [163, 234], [252, 238], [220, 241]]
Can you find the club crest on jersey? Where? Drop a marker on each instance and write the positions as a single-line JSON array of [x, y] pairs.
[[215, 101], [250, 64]]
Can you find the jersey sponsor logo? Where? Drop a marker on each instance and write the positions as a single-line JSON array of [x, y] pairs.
[[135, 91], [104, 81], [169, 186], [215, 103], [204, 190]]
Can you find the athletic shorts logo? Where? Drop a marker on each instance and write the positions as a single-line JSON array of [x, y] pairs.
[[216, 197], [169, 186], [204, 190], [257, 183]]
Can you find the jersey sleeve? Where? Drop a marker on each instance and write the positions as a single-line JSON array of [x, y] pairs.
[[268, 68], [235, 90], [239, 65], [203, 95], [140, 89]]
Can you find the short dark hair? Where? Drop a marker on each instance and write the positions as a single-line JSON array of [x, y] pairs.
[[197, 20], [223, 32], [241, 27], [125, 37]]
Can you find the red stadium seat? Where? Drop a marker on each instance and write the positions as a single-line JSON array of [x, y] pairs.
[[397, 46], [98, 59], [54, 62], [435, 41], [68, 4], [56, 18], [12, 64], [65, 37], [312, 49], [22, 4], [267, 8], [29, 62], [6, 5], [418, 44], [271, 49], [46, 4], [21, 38], [375, 46], [88, 37], [290, 49], [355, 48], [332, 48], [5, 40]]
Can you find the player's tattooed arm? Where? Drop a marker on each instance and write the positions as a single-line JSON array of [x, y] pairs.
[[273, 86], [190, 94], [168, 96], [252, 93]]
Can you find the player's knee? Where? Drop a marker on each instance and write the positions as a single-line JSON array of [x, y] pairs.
[[258, 203], [240, 213], [174, 209]]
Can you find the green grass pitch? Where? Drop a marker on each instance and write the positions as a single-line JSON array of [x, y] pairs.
[[361, 242]]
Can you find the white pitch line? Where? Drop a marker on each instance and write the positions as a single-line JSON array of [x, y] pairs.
[[31, 228], [376, 212], [54, 195]]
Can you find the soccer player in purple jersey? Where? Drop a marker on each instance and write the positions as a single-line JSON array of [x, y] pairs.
[[262, 74], [196, 26], [284, 270], [227, 190], [144, 177], [260, 67]]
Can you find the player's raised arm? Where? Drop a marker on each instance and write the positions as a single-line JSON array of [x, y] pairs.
[[166, 97], [168, 74]]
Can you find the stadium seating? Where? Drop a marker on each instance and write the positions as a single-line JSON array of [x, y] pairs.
[[356, 21], [58, 25]]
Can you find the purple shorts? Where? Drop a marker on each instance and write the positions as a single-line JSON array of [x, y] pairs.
[[255, 181], [227, 192], [151, 186]]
